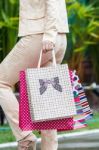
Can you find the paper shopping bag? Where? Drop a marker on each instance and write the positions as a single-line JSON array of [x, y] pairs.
[[50, 92]]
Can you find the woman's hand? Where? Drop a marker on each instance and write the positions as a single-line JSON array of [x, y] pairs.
[[47, 46]]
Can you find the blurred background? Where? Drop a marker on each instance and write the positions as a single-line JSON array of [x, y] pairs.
[[82, 53]]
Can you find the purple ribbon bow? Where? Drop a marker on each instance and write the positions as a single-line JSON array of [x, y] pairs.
[[44, 83]]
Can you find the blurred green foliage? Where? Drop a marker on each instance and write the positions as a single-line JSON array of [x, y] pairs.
[[8, 25], [84, 34], [84, 24]]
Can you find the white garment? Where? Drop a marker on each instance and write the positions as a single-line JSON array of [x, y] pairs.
[[43, 16]]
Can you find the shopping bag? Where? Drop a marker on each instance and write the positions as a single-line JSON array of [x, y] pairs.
[[81, 101], [84, 112], [50, 91], [25, 122]]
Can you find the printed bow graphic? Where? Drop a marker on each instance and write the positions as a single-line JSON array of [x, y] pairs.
[[44, 83]]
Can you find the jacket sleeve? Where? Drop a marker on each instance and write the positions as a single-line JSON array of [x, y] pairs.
[[50, 31]]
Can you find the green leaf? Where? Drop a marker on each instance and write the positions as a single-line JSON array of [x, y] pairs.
[[90, 43], [79, 49]]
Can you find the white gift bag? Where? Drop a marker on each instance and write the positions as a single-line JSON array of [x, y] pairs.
[[50, 91]]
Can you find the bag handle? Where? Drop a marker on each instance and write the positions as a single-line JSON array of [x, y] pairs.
[[53, 55]]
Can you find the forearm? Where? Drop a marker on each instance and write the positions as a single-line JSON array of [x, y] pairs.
[[50, 30]]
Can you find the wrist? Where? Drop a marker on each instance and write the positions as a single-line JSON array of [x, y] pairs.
[[50, 36]]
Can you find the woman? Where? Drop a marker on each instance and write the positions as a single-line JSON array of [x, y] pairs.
[[42, 25]]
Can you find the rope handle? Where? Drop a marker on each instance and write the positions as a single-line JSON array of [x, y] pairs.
[[40, 58]]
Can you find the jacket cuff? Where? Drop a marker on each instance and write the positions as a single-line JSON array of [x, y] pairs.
[[50, 36]]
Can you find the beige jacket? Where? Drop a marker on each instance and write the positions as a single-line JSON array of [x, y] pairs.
[[43, 16]]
